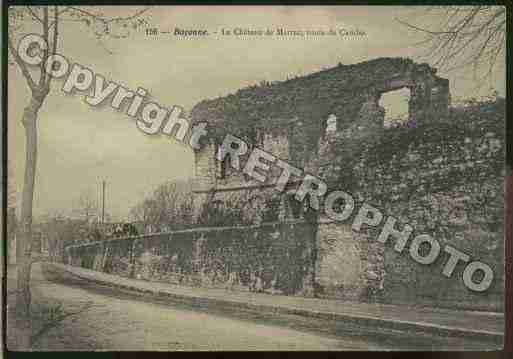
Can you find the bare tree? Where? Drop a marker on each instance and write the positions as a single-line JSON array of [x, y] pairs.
[[169, 206], [48, 22], [462, 36]]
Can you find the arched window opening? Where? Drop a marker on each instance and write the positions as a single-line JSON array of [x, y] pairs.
[[396, 107]]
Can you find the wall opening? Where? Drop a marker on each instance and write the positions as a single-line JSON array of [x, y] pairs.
[[396, 107], [221, 166], [331, 124]]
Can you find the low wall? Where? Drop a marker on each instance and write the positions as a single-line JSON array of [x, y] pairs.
[[274, 257]]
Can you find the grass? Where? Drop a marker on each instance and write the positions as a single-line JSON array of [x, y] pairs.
[[46, 316]]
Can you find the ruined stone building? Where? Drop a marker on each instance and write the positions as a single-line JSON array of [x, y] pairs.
[[313, 122], [295, 119], [441, 172]]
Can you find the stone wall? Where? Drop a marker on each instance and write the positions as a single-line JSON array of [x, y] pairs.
[[274, 258], [340, 90], [442, 175], [444, 179], [445, 161]]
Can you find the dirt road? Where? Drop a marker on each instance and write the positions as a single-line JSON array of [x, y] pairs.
[[103, 318], [104, 321]]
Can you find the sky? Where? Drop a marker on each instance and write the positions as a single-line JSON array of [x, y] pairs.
[[80, 145]]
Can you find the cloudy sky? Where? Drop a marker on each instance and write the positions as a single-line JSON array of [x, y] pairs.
[[80, 145]]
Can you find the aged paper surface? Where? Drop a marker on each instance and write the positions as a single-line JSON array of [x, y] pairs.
[[255, 178]]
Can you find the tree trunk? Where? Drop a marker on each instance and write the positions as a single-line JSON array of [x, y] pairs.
[[24, 239]]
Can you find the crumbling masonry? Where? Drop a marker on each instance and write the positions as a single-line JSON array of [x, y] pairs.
[[316, 123], [441, 173]]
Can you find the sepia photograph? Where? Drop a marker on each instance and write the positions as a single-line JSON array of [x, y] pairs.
[[254, 178]]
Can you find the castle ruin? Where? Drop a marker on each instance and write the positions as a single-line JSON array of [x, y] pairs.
[[316, 123], [442, 173]]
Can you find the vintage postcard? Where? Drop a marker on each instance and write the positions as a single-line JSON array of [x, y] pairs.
[[221, 178]]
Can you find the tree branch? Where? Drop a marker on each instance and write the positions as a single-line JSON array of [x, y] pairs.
[[465, 35], [105, 20], [81, 15], [42, 77], [55, 38], [21, 64], [34, 15]]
